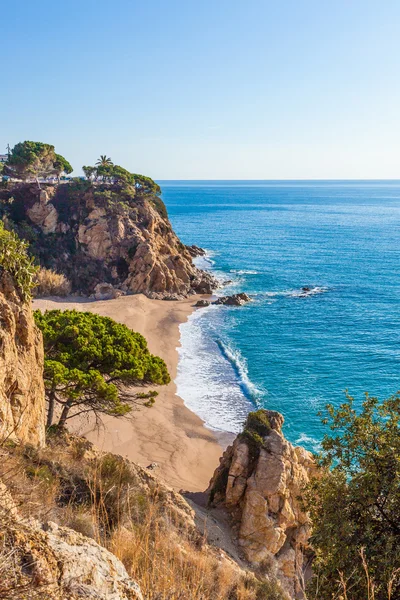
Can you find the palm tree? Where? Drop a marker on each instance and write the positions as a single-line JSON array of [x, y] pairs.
[[104, 161]]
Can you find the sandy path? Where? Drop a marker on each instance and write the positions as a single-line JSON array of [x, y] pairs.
[[168, 433]]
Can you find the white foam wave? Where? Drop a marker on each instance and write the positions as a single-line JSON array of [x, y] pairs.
[[310, 442], [207, 380], [297, 293], [243, 272], [240, 366]]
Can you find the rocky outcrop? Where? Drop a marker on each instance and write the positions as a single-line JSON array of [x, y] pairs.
[[195, 251], [259, 481], [102, 235], [43, 213], [22, 400], [57, 562], [234, 300]]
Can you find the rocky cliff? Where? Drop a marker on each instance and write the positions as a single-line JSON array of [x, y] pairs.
[[259, 482], [22, 401], [99, 234]]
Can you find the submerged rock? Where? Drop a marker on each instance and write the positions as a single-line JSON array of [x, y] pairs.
[[235, 300]]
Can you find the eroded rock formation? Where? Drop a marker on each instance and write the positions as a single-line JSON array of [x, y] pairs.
[[100, 235], [22, 401], [259, 481]]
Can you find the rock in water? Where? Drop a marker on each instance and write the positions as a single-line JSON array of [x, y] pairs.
[[259, 482], [235, 300], [195, 251]]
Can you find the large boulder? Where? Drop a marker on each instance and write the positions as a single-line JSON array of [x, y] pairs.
[[22, 400], [259, 482]]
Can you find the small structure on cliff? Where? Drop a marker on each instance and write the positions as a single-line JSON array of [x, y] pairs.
[[259, 482]]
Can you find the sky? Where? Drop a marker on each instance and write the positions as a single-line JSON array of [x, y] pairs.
[[217, 89]]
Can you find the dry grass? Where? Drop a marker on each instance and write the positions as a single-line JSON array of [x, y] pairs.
[[50, 283], [124, 508], [345, 586]]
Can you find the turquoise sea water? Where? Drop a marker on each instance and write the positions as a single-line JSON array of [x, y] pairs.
[[283, 351]]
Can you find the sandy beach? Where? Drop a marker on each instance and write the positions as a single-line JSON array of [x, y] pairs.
[[168, 433]]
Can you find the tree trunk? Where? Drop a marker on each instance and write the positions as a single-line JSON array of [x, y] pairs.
[[64, 414], [50, 410]]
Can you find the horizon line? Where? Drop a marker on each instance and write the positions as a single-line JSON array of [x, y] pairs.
[[288, 180]]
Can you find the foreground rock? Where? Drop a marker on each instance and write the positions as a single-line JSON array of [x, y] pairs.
[[259, 482], [235, 300], [102, 235], [57, 562], [22, 400]]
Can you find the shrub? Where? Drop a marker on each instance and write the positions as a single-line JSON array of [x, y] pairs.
[[354, 504], [15, 260], [258, 423], [256, 428], [50, 283]]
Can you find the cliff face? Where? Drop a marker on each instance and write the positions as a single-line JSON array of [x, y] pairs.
[[259, 482], [22, 401], [97, 235]]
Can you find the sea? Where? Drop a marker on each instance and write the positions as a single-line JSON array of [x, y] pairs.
[[290, 350]]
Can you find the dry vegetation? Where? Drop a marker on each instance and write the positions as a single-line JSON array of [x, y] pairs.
[[123, 507], [50, 283]]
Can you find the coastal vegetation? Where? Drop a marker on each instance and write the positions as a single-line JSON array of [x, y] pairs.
[[35, 159], [354, 503], [51, 283], [89, 359], [15, 260]]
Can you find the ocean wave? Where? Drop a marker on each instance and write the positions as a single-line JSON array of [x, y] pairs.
[[239, 365], [311, 291], [243, 272], [204, 262], [296, 293], [309, 442], [207, 380]]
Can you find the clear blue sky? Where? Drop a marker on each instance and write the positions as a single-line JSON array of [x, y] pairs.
[[210, 89]]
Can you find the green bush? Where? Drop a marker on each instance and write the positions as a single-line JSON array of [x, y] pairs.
[[257, 422], [354, 503], [256, 428], [15, 260]]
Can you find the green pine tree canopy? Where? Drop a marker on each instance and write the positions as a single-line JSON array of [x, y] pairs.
[[35, 159], [15, 260], [88, 361]]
